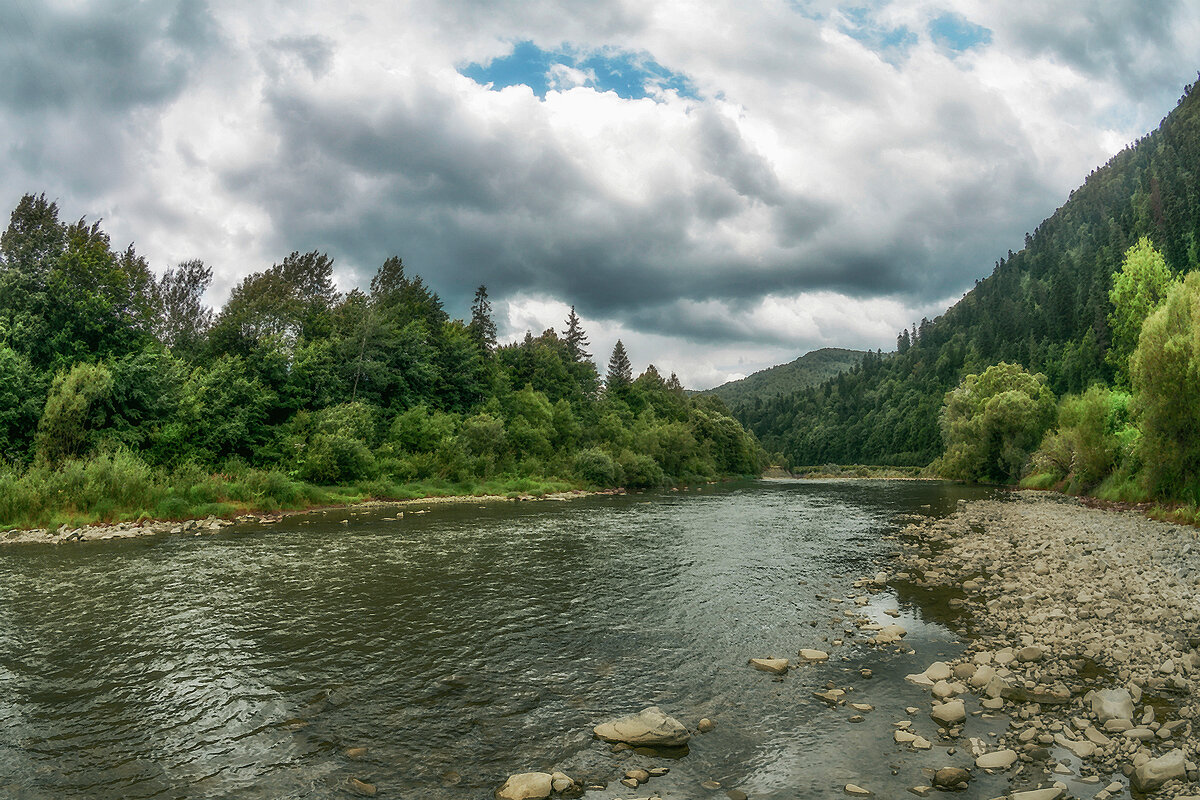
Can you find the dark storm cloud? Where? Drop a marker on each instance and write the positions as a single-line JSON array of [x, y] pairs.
[[463, 203], [108, 56]]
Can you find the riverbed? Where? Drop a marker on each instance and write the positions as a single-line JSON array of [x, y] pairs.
[[433, 653]]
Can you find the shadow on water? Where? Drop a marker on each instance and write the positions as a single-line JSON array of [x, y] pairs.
[[433, 654]]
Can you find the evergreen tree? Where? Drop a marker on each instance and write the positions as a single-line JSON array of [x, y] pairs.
[[482, 327], [620, 371], [575, 338]]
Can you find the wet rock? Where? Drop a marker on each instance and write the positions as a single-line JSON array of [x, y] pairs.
[[776, 666], [355, 753], [361, 788], [814, 655], [736, 794], [648, 728], [951, 778], [1157, 771], [560, 782], [854, 790], [705, 725], [639, 775], [526, 786]]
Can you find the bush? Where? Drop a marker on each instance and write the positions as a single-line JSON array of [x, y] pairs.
[[596, 467], [992, 422], [1092, 439], [337, 458], [641, 471]]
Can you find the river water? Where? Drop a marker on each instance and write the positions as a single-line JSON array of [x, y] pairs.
[[463, 644]]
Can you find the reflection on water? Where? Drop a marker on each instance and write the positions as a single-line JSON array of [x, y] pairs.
[[456, 646]]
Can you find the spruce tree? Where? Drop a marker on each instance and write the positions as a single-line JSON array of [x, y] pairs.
[[620, 371], [482, 327], [575, 338]]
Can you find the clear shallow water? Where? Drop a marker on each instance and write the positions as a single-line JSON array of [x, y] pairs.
[[459, 646]]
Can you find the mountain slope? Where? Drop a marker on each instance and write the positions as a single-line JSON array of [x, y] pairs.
[[1044, 307], [808, 370]]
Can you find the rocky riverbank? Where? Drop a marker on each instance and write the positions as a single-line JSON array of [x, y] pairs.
[[198, 527], [1082, 628]]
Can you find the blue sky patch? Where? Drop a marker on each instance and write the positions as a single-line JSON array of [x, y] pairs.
[[631, 75], [956, 32], [890, 44]]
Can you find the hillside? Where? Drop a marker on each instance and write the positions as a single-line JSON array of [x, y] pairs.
[[1044, 307], [808, 370]]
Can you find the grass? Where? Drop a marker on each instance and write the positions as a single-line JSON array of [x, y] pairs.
[[120, 487]]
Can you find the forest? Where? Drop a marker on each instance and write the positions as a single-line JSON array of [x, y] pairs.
[[122, 395], [1050, 308]]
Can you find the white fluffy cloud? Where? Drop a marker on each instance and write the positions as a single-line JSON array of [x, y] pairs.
[[829, 174]]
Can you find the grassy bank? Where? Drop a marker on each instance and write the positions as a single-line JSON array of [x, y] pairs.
[[120, 486]]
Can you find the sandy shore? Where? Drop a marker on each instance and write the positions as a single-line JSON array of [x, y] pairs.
[[199, 527], [1083, 630]]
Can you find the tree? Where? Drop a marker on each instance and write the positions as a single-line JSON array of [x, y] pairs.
[[993, 421], [620, 371], [76, 408], [1165, 369], [575, 338], [183, 319], [1139, 286], [482, 326]]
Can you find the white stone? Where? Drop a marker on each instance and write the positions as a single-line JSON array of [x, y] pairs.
[[526, 786], [949, 713], [1112, 704], [650, 728], [1001, 759], [1157, 771]]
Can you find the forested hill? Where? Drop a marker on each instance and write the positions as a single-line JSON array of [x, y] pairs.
[[808, 370], [1044, 307]]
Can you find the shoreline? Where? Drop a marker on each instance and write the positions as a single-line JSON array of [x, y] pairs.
[[214, 524], [1081, 628]]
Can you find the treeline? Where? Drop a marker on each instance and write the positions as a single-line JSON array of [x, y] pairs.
[[1046, 307], [111, 378]]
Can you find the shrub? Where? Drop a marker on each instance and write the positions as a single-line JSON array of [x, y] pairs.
[[596, 467], [991, 423], [641, 471]]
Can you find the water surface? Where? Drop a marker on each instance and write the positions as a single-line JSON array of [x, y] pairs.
[[458, 646]]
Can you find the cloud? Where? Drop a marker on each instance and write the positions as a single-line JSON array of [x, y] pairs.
[[725, 183]]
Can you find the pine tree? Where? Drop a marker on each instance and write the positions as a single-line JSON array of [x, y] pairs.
[[620, 371], [482, 327], [575, 338]]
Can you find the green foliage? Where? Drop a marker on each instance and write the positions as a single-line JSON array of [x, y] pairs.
[[76, 410], [292, 385], [992, 422], [1139, 286], [1095, 435], [1166, 386], [596, 467]]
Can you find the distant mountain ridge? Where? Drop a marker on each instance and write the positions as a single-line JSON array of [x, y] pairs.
[[810, 369]]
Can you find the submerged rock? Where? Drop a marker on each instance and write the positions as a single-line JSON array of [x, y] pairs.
[[776, 666], [648, 728]]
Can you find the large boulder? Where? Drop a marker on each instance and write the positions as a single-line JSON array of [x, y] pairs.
[[648, 728], [1112, 704], [1157, 771], [526, 786]]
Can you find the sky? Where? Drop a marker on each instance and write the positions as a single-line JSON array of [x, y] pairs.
[[722, 185]]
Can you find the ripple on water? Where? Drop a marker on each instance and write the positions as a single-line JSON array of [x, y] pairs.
[[465, 642]]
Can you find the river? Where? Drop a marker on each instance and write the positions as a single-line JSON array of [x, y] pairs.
[[463, 644]]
